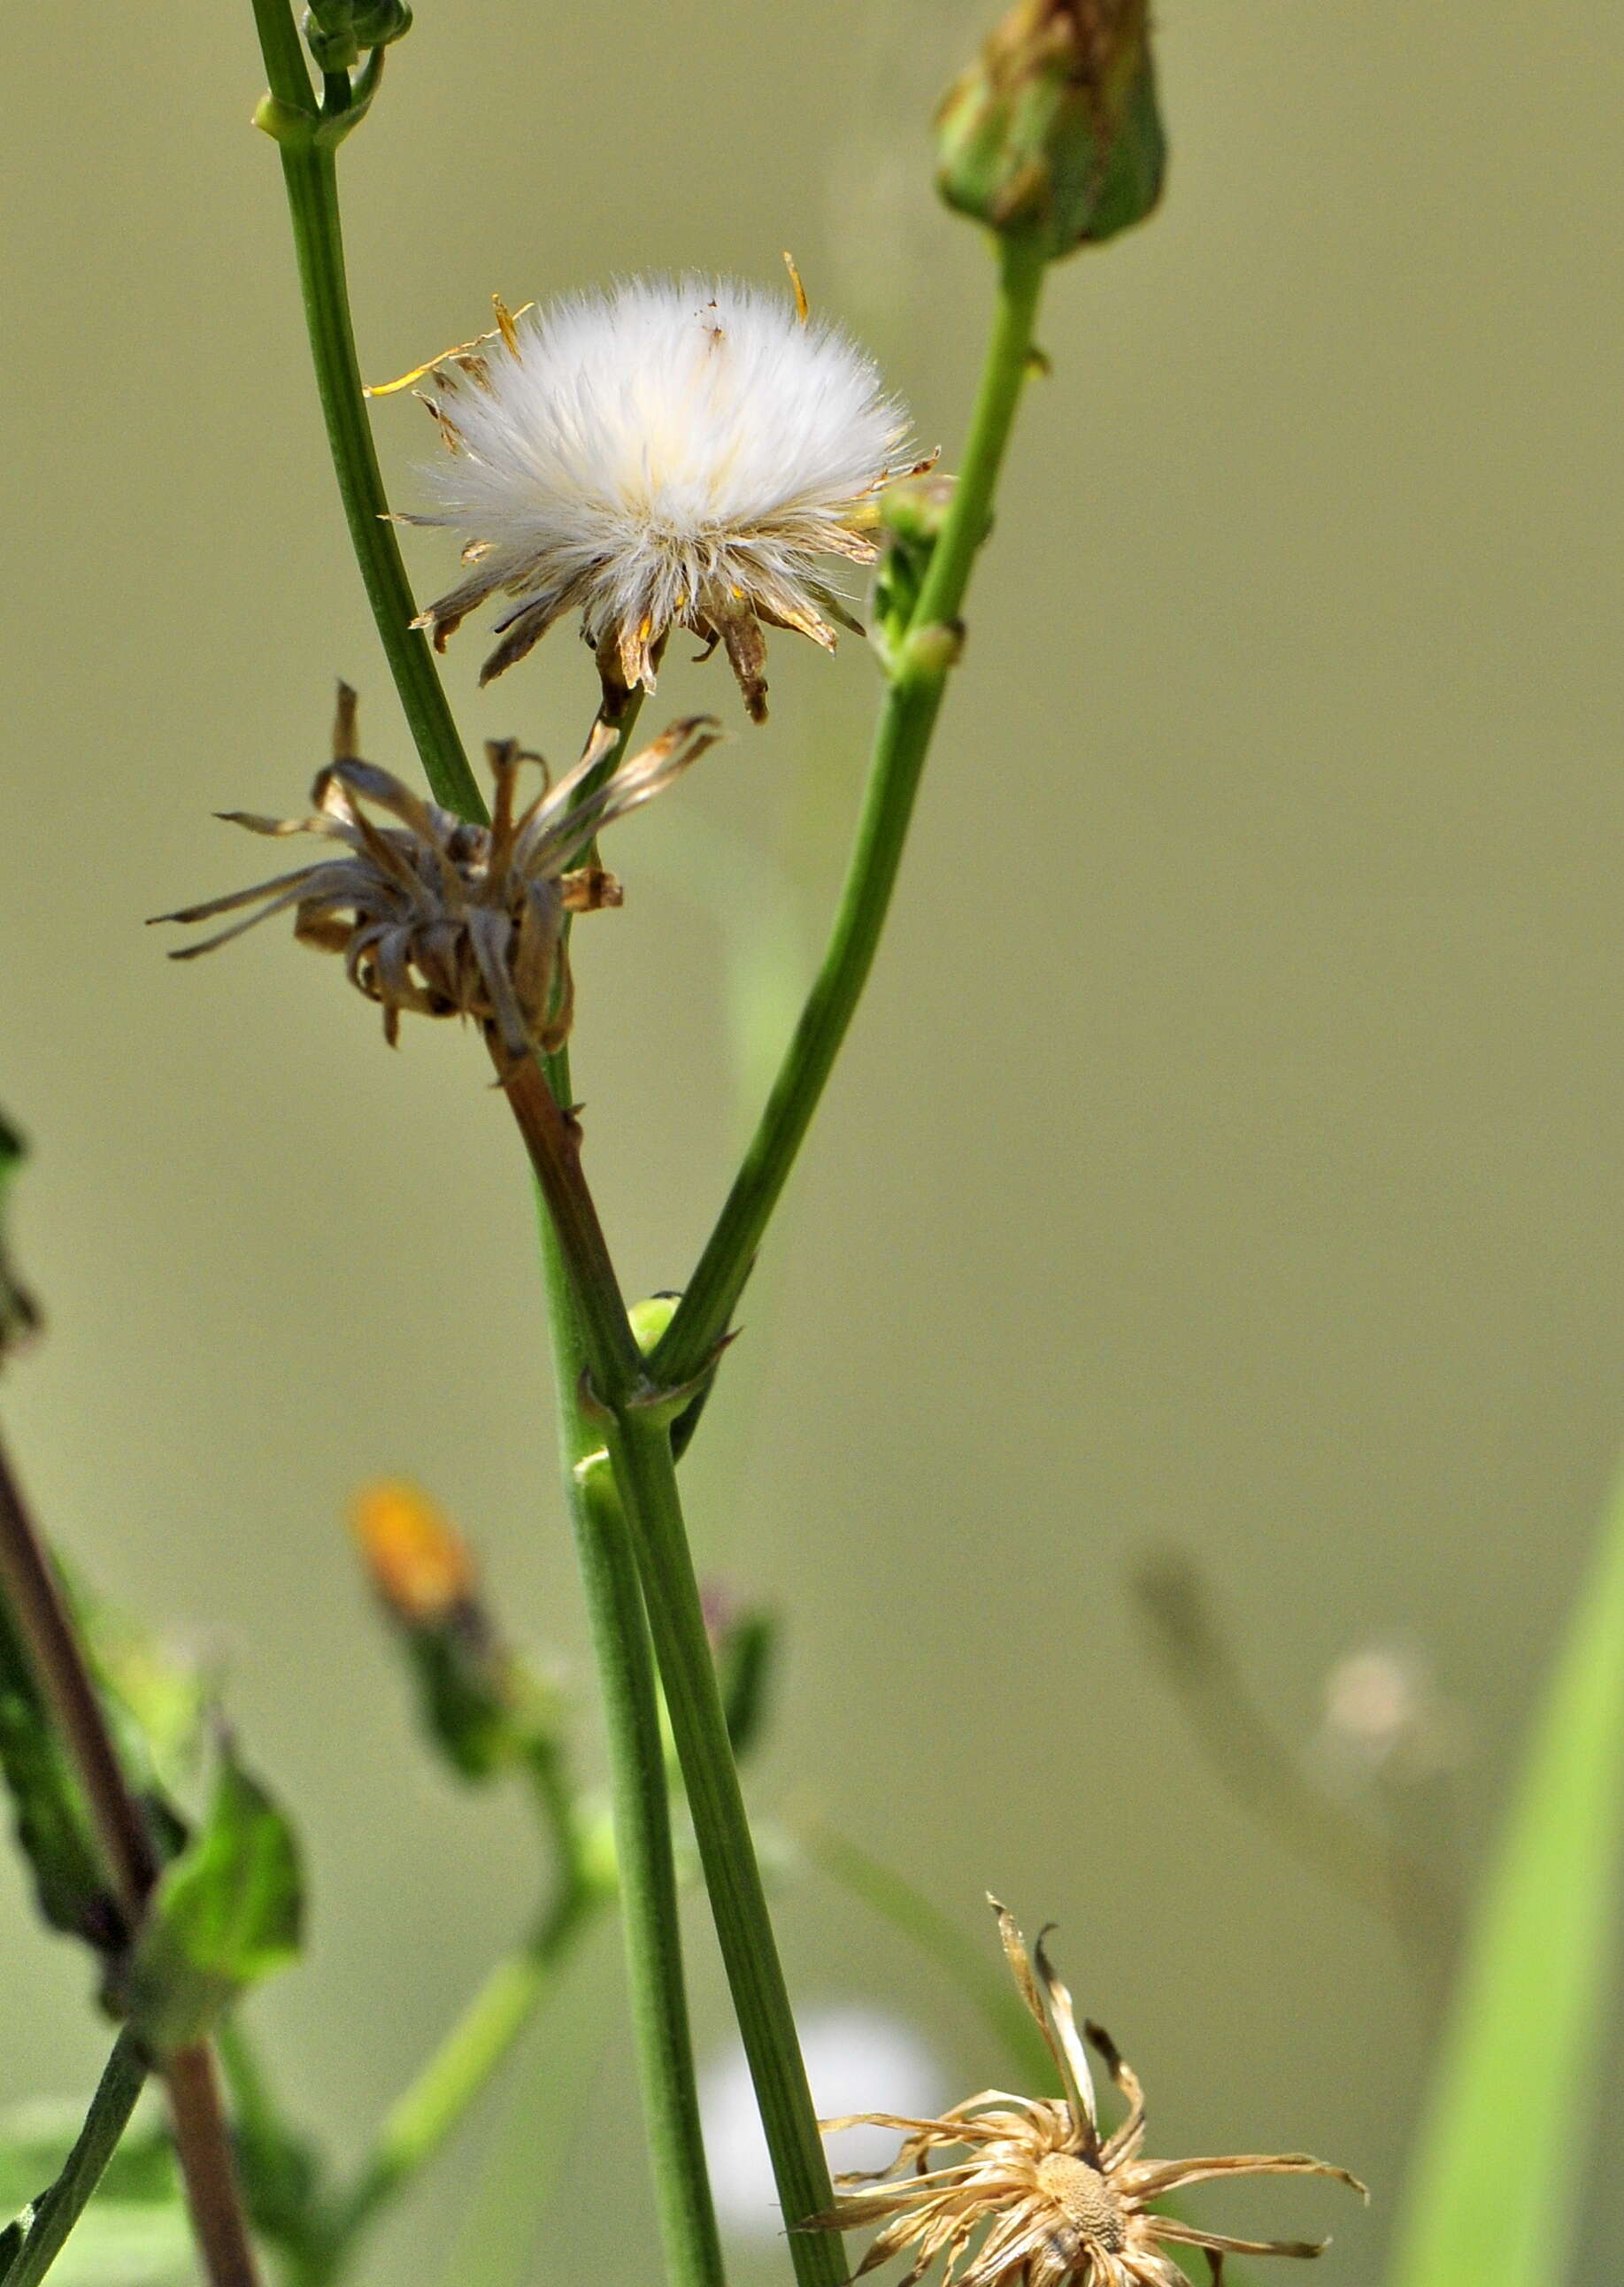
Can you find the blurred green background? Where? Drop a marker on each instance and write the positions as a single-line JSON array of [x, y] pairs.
[[1225, 1158]]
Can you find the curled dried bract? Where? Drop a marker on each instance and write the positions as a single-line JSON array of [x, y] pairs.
[[443, 918]]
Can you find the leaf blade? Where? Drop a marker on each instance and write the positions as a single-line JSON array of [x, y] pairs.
[[1531, 2002]]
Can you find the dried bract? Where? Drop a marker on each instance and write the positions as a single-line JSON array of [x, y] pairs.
[[677, 453], [1041, 2197], [443, 918]]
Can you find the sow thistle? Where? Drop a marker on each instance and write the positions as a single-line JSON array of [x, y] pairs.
[[438, 916], [1053, 2200], [675, 453]]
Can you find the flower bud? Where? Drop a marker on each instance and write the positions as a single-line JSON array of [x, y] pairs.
[[1052, 137], [479, 1704], [336, 32]]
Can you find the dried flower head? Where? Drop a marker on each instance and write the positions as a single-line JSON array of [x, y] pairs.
[[676, 453], [1052, 2200], [445, 918]]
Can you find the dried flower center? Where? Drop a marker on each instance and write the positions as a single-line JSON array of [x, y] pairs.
[[1083, 2197]]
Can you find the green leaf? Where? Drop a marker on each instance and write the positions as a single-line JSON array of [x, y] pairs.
[[227, 1912], [52, 1824], [19, 1316], [30, 2246], [1494, 2191]]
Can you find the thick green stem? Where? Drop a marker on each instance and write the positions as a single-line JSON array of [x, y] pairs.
[[644, 1859], [639, 1446], [901, 741]]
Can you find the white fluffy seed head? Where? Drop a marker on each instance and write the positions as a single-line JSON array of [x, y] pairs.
[[670, 453]]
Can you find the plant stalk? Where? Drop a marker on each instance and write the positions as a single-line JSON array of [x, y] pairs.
[[640, 1447], [649, 1912], [203, 2143], [309, 161], [902, 740]]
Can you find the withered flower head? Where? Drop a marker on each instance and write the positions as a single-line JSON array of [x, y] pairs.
[[444, 918], [1050, 2198], [675, 453]]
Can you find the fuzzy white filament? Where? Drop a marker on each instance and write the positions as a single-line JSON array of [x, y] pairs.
[[672, 452]]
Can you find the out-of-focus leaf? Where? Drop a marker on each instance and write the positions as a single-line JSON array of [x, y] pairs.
[[48, 1809], [1494, 2187], [746, 1660], [128, 2243], [227, 1912], [36, 2139], [19, 1316], [30, 2246]]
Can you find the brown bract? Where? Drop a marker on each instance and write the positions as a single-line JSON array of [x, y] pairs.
[[1041, 2198], [443, 918]]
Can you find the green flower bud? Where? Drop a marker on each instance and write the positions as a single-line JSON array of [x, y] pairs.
[[1052, 137], [336, 32]]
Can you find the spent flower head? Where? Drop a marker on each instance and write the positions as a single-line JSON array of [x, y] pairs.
[[1041, 2197], [444, 918], [674, 453]]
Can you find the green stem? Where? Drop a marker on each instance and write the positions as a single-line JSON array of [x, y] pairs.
[[421, 2119], [639, 1789], [55, 2212], [284, 54], [310, 172], [641, 1450], [902, 740], [639, 1446]]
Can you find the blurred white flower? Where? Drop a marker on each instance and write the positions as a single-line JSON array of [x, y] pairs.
[[1385, 1718], [672, 452], [858, 2060]]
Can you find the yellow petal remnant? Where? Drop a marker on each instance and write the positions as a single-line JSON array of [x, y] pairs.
[[504, 330], [421, 1565]]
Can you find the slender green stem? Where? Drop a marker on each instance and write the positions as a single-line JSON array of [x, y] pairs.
[[901, 742], [646, 1868], [424, 2116], [55, 2212], [639, 1446], [310, 170]]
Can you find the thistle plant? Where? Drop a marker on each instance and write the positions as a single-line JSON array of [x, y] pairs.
[[661, 456]]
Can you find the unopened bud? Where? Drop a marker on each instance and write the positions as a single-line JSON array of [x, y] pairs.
[[480, 1704], [419, 1565], [338, 32], [1052, 137]]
